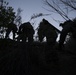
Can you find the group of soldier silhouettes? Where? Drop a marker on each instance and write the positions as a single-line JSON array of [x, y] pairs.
[[26, 31]]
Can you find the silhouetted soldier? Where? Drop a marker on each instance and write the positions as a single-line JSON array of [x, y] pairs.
[[67, 28], [74, 28], [46, 30], [26, 31], [11, 27]]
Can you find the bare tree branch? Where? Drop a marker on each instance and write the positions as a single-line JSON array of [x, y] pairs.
[[69, 4], [38, 15], [58, 11], [61, 7]]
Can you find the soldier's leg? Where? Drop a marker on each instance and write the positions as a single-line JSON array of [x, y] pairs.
[[24, 39], [30, 38], [62, 39], [7, 34], [41, 38], [13, 35], [19, 37]]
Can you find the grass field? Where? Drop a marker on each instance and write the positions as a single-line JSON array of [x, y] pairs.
[[17, 58]]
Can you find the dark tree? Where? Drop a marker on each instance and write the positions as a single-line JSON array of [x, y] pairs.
[[7, 15], [18, 19]]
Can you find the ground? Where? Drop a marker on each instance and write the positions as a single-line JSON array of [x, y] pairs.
[[17, 58]]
